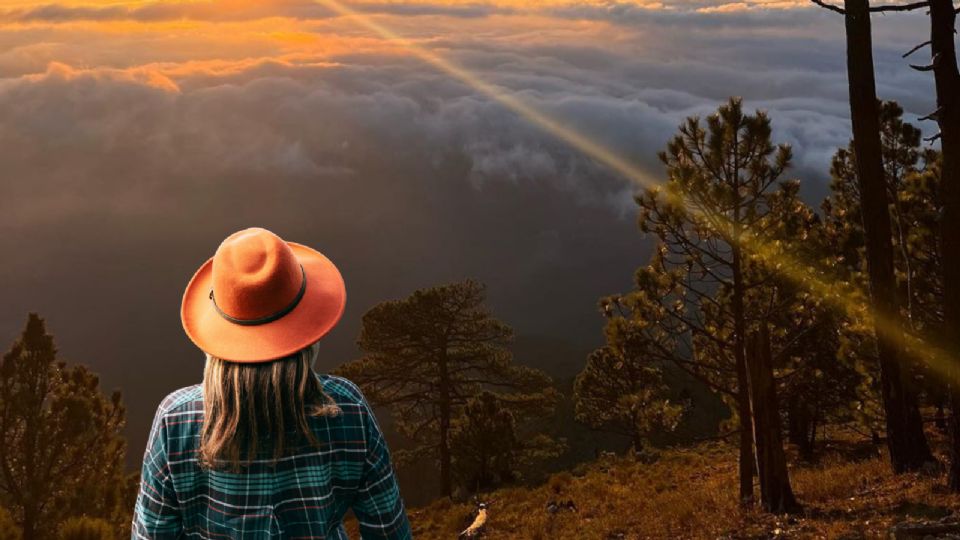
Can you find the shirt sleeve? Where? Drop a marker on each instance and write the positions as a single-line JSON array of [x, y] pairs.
[[156, 515], [378, 506]]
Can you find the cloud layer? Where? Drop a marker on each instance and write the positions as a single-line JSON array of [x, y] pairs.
[[135, 137]]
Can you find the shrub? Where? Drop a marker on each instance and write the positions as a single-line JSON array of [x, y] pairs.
[[8, 528], [86, 528]]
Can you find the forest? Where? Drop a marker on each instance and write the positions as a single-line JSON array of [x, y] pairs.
[[779, 369]]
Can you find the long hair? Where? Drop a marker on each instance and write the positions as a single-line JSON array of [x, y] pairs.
[[256, 409]]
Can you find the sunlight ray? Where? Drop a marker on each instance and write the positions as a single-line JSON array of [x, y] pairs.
[[839, 295]]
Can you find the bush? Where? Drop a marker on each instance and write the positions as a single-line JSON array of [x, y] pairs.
[[86, 528], [8, 529]]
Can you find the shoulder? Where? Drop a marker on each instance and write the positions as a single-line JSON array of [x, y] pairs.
[[352, 403], [349, 398], [187, 399], [343, 391], [179, 413]]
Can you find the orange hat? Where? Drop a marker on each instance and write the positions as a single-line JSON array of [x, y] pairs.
[[260, 298]]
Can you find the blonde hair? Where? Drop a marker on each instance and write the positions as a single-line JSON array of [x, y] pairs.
[[249, 407]]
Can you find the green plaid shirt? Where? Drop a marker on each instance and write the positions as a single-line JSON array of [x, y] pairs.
[[303, 495]]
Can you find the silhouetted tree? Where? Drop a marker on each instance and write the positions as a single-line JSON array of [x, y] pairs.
[[947, 79], [484, 443], [910, 451], [906, 440], [62, 453], [911, 174], [428, 354]]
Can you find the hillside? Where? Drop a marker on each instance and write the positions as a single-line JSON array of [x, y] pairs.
[[686, 493]]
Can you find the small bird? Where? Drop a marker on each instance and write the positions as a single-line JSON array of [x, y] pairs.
[[553, 507], [476, 528]]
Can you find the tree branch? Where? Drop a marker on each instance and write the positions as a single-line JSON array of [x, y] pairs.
[[901, 7], [831, 7], [915, 49]]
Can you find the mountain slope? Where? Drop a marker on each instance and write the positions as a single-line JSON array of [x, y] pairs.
[[691, 494]]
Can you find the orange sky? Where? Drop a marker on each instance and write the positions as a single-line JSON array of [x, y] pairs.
[[172, 39]]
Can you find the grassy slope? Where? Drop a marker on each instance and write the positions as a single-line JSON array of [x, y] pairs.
[[691, 494]]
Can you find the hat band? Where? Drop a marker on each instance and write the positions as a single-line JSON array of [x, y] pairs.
[[268, 318]]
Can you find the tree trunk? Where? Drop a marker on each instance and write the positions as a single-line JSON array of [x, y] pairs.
[[799, 427], [446, 485], [776, 494], [637, 442], [29, 527], [953, 473], [905, 438], [947, 78], [746, 460], [743, 394], [814, 425], [940, 417]]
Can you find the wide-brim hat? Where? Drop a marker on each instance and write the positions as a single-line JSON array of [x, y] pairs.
[[260, 298]]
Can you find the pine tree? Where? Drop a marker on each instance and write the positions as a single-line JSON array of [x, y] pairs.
[[428, 354], [62, 452], [821, 384], [621, 390], [484, 443], [905, 437], [947, 79], [911, 177], [724, 198], [491, 445]]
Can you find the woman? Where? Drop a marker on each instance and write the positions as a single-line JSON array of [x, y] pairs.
[[265, 447]]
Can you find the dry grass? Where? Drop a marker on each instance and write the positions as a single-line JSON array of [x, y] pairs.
[[691, 493]]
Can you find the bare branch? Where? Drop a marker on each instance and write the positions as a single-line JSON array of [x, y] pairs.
[[901, 7], [932, 116], [915, 49], [831, 7], [933, 65]]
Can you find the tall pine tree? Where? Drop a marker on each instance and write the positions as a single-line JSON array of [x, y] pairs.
[[707, 293], [62, 453]]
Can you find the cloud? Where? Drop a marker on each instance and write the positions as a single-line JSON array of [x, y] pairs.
[[236, 10], [130, 184]]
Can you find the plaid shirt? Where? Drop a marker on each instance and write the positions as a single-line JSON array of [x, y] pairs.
[[303, 495]]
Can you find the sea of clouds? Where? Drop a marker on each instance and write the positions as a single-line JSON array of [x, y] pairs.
[[133, 138]]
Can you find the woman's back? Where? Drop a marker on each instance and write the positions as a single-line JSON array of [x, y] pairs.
[[303, 494], [265, 448]]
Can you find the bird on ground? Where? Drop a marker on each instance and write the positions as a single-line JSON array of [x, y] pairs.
[[476, 528]]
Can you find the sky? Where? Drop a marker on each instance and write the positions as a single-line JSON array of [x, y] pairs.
[[136, 135]]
